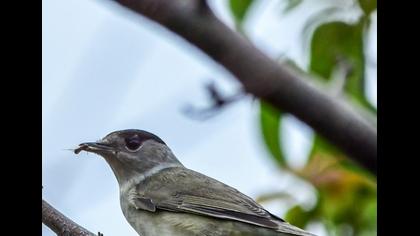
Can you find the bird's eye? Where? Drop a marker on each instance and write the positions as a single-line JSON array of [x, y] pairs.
[[132, 144]]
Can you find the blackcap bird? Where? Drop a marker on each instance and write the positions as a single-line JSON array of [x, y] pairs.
[[159, 196]]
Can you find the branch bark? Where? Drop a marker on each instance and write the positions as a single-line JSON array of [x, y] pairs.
[[265, 78], [60, 224]]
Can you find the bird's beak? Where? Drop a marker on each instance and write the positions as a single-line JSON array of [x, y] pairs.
[[95, 147]]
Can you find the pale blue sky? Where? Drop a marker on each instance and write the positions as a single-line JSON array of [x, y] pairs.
[[104, 71]]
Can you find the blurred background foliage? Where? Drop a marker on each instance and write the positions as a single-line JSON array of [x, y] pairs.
[[346, 194]]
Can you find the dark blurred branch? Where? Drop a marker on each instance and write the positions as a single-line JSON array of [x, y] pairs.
[[60, 224], [264, 77], [218, 103]]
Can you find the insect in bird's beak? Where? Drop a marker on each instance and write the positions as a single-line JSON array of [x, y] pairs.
[[93, 147]]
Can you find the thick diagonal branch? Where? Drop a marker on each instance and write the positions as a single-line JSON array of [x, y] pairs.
[[263, 77], [60, 224]]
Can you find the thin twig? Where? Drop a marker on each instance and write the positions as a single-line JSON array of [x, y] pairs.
[[60, 224], [218, 102]]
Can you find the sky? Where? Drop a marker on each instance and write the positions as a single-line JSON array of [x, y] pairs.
[[106, 69]]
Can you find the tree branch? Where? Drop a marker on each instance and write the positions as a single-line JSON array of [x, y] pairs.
[[265, 78], [219, 102], [60, 224]]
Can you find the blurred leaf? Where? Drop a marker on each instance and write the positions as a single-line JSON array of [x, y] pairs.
[[341, 185], [333, 40], [318, 170], [336, 41], [346, 192], [317, 19], [270, 121], [239, 8], [291, 4], [298, 216], [368, 6], [341, 189], [369, 212], [322, 147]]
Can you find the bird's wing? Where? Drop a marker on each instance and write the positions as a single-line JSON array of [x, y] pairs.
[[184, 190]]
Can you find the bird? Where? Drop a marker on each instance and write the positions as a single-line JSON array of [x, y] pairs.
[[160, 196]]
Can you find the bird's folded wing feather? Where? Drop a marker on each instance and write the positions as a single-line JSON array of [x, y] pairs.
[[184, 190]]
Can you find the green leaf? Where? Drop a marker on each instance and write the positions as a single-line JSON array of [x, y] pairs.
[[368, 6], [270, 122], [299, 217], [338, 41], [369, 212], [323, 147], [292, 4], [333, 40], [338, 197], [317, 19], [239, 8], [340, 188]]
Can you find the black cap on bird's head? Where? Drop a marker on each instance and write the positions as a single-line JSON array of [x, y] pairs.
[[131, 150], [130, 139]]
